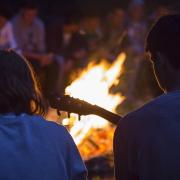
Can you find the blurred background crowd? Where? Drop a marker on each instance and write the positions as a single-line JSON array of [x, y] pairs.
[[59, 44]]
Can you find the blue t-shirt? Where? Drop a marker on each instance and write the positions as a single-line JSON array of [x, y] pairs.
[[147, 141], [32, 148]]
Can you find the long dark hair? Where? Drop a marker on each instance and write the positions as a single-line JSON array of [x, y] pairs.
[[19, 90]]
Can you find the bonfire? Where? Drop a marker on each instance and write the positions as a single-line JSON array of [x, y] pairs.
[[92, 134]]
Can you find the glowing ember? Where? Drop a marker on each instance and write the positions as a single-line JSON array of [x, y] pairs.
[[93, 86]]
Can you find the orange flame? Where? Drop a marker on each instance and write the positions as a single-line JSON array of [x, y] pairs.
[[93, 86]]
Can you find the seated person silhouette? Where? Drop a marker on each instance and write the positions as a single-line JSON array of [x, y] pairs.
[[147, 141]]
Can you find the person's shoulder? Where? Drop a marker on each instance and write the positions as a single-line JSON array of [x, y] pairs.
[[8, 25], [147, 111], [16, 19], [150, 118], [138, 121], [39, 23], [46, 126], [49, 124]]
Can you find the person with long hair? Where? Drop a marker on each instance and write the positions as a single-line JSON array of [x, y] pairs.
[[31, 148]]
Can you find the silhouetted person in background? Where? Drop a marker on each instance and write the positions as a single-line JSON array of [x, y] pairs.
[[60, 33], [31, 148], [30, 34], [147, 141]]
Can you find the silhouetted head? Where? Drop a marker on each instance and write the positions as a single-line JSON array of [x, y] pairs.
[[29, 12], [71, 22], [90, 23], [137, 10], [19, 92], [163, 44]]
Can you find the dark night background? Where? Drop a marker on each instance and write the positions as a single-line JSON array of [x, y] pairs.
[[99, 7]]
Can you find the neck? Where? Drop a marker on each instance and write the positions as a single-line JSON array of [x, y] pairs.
[[172, 79], [174, 87]]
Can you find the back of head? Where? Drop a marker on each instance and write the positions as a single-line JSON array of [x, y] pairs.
[[19, 92], [164, 37]]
